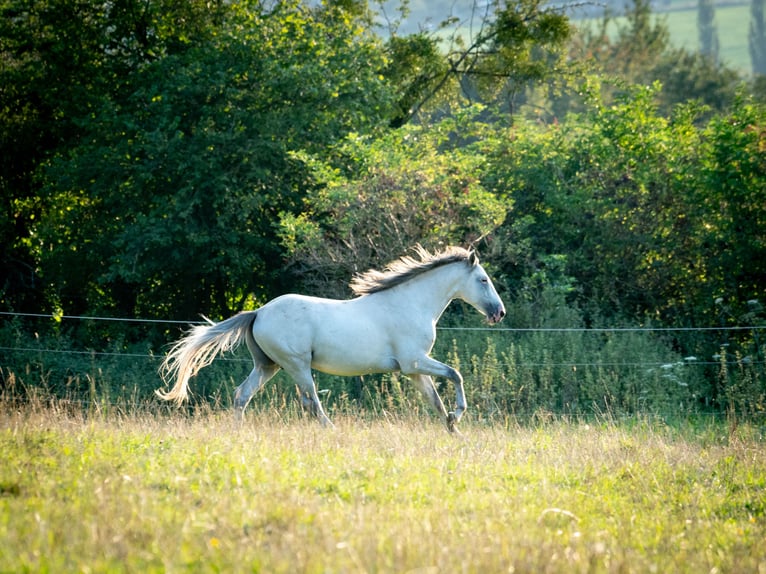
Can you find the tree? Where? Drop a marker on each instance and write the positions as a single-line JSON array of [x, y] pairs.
[[732, 201], [415, 66], [641, 53], [687, 76], [58, 59], [38, 104], [490, 59], [708, 34], [757, 36], [167, 207], [654, 217]]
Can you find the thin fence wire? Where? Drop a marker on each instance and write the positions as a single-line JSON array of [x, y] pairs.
[[494, 329], [153, 356], [57, 317]]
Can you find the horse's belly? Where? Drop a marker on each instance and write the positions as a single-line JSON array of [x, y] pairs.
[[345, 365]]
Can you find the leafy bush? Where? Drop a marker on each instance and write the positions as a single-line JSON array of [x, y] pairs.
[[411, 186]]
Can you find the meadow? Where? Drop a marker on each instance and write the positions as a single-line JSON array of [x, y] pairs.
[[732, 23], [152, 491]]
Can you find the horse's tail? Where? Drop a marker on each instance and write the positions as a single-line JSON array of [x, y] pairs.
[[198, 348]]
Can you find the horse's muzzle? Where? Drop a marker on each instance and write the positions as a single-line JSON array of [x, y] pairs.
[[496, 315]]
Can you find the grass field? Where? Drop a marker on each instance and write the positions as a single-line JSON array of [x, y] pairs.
[[732, 23], [159, 493]]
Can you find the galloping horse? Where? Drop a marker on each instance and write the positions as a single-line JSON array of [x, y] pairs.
[[390, 326]]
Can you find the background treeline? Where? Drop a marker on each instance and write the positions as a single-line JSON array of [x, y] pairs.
[[162, 159]]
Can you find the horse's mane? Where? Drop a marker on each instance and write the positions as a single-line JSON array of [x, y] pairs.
[[405, 268]]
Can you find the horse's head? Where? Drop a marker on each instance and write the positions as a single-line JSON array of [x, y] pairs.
[[478, 291]]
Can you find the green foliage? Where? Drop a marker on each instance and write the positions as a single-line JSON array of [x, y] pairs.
[[640, 204], [415, 66], [641, 41], [687, 76], [491, 61], [523, 44], [728, 205], [167, 204], [414, 185], [60, 58]]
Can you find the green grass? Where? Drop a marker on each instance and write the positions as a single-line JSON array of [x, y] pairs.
[[153, 493], [733, 24]]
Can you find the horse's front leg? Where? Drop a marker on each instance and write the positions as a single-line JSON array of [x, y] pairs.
[[425, 385], [460, 405], [459, 399], [432, 367]]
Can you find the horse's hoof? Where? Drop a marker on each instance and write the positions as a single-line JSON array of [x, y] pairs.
[[327, 424]]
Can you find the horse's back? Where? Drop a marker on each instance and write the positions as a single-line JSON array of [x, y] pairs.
[[336, 336], [301, 309]]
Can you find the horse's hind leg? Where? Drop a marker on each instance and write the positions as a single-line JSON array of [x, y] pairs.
[[308, 393], [306, 401], [263, 370], [258, 377]]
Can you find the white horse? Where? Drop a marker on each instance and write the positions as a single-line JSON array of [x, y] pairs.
[[390, 326]]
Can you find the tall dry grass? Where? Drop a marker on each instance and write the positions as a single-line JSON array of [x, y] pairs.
[[126, 492]]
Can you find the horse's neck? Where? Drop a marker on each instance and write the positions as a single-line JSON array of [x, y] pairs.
[[431, 292]]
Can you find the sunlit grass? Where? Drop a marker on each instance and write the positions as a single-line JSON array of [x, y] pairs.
[[154, 493]]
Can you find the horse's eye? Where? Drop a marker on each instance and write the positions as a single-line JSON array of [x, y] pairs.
[[485, 280]]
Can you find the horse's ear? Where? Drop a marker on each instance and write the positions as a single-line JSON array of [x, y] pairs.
[[473, 259]]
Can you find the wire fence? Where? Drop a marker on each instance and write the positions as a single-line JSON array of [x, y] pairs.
[[159, 357], [57, 317], [496, 330], [503, 365]]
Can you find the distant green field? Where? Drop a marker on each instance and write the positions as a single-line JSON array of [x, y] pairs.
[[733, 24], [733, 27]]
